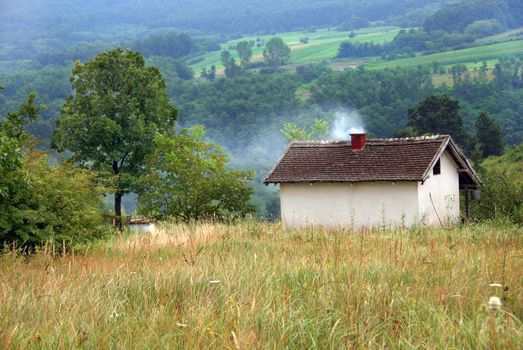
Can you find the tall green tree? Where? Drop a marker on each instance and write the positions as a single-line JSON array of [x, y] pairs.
[[276, 52], [457, 72], [489, 135], [110, 121], [189, 180], [212, 73], [229, 63], [438, 114], [244, 52]]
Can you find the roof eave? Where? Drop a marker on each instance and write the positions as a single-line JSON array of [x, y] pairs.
[[438, 154], [458, 155], [341, 181], [266, 181]]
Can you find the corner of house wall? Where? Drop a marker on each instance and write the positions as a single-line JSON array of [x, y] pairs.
[[419, 208]]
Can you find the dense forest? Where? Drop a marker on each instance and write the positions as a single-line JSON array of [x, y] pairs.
[[39, 26], [457, 16]]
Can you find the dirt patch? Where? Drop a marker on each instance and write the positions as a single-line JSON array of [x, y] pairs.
[[342, 65]]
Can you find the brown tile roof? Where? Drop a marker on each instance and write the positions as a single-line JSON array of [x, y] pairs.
[[403, 159]]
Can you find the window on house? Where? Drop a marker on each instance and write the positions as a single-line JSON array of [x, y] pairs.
[[437, 168]]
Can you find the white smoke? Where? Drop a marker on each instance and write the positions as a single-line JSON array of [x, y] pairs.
[[346, 122]]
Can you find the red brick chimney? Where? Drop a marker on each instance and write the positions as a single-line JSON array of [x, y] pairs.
[[357, 141]]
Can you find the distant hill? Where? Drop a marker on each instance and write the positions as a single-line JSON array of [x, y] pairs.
[[457, 16], [511, 162]]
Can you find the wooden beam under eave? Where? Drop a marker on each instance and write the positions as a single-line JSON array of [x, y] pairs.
[[467, 204]]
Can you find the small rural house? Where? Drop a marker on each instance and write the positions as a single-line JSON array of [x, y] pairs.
[[373, 182]]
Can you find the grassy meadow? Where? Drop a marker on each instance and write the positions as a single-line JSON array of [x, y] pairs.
[[472, 55], [256, 285]]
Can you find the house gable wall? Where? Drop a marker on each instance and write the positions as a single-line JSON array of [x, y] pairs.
[[439, 195]]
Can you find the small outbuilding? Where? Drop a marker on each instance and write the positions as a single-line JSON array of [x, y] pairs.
[[141, 226], [363, 182]]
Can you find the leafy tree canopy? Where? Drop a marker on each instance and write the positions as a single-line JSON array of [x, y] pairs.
[[109, 122], [438, 114], [244, 50], [276, 52], [489, 135], [190, 180], [316, 131]]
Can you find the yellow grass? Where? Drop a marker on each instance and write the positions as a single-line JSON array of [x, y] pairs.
[[255, 285]]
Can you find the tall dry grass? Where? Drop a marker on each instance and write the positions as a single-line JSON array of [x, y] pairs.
[[256, 285]]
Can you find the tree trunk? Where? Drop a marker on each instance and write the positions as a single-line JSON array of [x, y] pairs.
[[118, 209], [117, 200]]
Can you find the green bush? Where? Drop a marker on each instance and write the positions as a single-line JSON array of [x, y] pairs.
[[501, 197], [42, 202], [51, 203]]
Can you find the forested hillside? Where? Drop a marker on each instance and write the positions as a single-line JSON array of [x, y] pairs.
[[30, 27], [457, 16]]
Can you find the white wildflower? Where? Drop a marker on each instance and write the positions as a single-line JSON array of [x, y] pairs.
[[494, 303], [114, 315]]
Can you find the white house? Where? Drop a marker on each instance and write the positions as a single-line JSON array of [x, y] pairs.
[[373, 183]]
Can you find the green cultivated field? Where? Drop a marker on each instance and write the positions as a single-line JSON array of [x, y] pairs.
[[323, 44], [258, 286], [468, 55]]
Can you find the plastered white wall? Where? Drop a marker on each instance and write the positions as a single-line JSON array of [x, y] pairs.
[[142, 228], [370, 204], [439, 195]]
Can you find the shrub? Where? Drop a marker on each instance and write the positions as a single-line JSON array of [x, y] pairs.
[[52, 203], [40, 202], [501, 197]]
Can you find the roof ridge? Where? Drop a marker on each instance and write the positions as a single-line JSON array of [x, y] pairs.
[[413, 138], [384, 139], [313, 142]]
